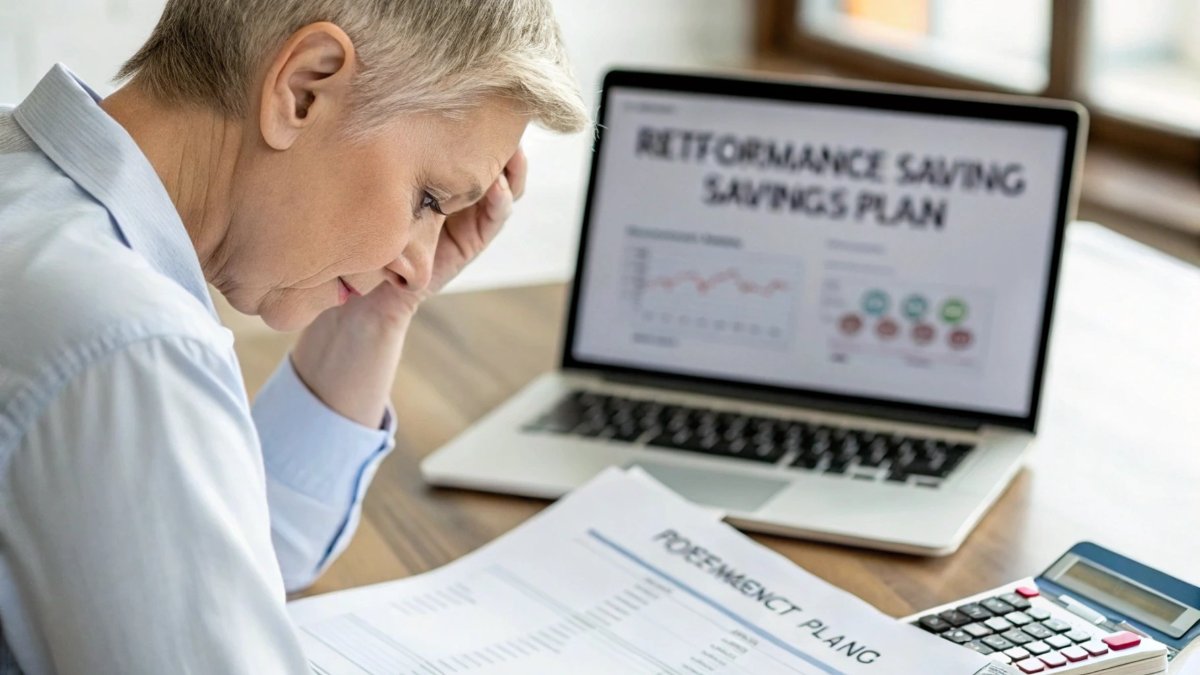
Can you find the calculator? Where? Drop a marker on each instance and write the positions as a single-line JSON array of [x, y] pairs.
[[1092, 611]]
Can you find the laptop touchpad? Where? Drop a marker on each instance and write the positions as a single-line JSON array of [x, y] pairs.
[[727, 491]]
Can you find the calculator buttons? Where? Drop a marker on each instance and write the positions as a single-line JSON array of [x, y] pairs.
[[997, 606], [1037, 613], [1074, 654], [1018, 618], [957, 636], [975, 611], [955, 618], [1030, 666], [1010, 629], [977, 630], [1017, 637], [1017, 601], [1038, 631], [1017, 653], [998, 624], [1053, 659], [934, 624], [1119, 641], [978, 646], [1056, 625], [998, 643], [1037, 648], [1078, 636], [1058, 642]]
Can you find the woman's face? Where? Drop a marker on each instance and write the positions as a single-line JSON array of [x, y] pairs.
[[328, 212]]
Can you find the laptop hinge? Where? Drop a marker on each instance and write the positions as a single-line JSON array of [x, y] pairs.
[[774, 398]]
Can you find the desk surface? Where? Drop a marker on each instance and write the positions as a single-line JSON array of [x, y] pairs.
[[1117, 459]]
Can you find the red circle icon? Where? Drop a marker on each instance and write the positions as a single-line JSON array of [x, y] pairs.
[[887, 329], [850, 324], [923, 333], [961, 339]]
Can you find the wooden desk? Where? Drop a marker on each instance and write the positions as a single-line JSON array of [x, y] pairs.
[[1117, 461]]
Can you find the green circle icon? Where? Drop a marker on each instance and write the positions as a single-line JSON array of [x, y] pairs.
[[915, 306], [954, 311], [875, 302]]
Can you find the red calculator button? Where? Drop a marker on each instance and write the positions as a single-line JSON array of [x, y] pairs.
[[1028, 592], [1119, 641], [1053, 659], [1030, 666]]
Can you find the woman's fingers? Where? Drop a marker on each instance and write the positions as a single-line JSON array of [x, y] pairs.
[[517, 170], [498, 207]]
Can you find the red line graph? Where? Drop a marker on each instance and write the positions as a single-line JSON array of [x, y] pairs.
[[705, 284]]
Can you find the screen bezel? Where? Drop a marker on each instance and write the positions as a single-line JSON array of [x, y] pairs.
[[1067, 116]]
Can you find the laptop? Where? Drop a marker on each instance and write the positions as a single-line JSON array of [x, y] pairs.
[[822, 310]]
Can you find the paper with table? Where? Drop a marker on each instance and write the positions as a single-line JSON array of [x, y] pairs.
[[621, 576]]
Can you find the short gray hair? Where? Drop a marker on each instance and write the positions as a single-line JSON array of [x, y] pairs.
[[416, 56]]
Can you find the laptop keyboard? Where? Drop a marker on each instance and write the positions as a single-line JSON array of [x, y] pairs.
[[819, 448]]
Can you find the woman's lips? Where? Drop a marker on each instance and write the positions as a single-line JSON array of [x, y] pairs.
[[345, 290]]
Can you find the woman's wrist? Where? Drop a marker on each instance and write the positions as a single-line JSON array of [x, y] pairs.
[[348, 360]]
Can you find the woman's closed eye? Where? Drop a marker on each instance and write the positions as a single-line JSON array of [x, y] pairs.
[[430, 202]]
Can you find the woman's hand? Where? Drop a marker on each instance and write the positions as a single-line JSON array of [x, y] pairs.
[[468, 232], [348, 356], [464, 236]]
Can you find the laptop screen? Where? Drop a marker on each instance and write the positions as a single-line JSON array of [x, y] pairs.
[[869, 252]]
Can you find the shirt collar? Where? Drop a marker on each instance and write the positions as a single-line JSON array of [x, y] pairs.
[[63, 118]]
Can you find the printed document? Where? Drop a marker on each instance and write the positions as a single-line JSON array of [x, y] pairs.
[[620, 576]]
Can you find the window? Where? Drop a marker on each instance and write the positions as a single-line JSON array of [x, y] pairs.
[[1134, 63], [1143, 61], [1004, 42]]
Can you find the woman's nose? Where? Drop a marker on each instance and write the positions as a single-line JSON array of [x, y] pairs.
[[415, 264]]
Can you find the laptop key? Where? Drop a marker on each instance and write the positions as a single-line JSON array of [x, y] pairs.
[[758, 438], [710, 445], [926, 467], [627, 433], [837, 465], [809, 462]]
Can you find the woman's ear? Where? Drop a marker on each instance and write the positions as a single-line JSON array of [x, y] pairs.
[[308, 81]]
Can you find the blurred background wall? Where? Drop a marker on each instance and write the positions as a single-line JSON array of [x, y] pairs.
[[93, 37], [1135, 64]]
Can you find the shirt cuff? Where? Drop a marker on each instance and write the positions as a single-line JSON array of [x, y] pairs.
[[312, 449]]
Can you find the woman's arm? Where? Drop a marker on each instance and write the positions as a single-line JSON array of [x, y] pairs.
[[136, 526]]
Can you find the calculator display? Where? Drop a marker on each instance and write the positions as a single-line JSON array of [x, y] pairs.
[[1104, 586]]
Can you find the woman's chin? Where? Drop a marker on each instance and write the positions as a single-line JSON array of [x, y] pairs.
[[288, 321], [287, 317]]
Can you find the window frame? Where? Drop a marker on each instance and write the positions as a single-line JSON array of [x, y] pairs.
[[779, 35]]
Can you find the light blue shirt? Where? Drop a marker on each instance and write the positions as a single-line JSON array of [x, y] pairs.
[[150, 519]]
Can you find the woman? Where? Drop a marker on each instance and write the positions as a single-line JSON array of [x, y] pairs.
[[325, 164]]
